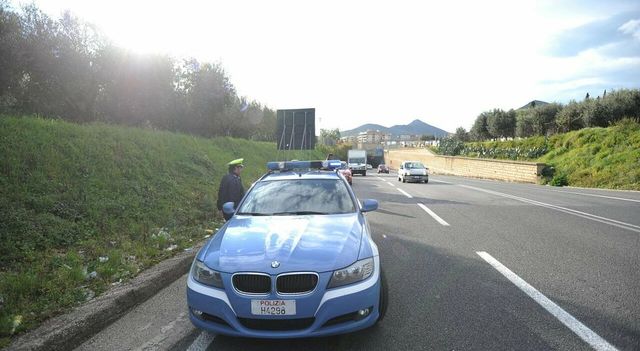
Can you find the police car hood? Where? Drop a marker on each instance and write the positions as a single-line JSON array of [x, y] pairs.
[[316, 243]]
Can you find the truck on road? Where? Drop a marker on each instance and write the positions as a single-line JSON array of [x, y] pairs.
[[357, 161]]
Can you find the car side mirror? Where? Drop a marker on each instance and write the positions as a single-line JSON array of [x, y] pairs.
[[369, 205], [228, 210]]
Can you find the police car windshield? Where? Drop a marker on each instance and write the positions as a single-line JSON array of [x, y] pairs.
[[298, 197]]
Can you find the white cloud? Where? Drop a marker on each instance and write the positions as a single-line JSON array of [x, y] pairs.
[[631, 27]]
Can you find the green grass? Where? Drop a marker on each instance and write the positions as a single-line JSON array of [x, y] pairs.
[[590, 157], [70, 194]]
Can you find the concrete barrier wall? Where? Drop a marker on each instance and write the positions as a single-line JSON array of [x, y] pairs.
[[513, 171]]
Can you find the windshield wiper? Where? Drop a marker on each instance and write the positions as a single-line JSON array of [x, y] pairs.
[[298, 213], [255, 214]]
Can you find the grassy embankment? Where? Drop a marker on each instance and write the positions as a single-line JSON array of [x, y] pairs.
[[590, 157], [79, 199]]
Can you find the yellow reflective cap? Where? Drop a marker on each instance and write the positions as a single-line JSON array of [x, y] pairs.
[[236, 162]]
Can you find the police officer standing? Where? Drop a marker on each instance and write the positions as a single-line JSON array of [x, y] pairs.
[[231, 189]]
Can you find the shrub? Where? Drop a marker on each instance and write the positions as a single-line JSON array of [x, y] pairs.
[[450, 147], [559, 180]]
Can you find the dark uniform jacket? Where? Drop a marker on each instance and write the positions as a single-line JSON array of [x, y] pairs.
[[231, 190]]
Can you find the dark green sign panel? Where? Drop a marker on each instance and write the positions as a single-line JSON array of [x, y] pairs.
[[296, 129]]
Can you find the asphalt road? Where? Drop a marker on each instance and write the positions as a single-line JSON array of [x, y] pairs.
[[472, 265]]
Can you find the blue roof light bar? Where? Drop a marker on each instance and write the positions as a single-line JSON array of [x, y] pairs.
[[303, 165]]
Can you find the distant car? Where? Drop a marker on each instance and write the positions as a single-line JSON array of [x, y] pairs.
[[369, 166], [413, 171], [382, 168], [346, 172], [295, 259]]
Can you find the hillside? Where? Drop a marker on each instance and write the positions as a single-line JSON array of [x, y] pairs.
[[417, 127], [84, 206], [590, 157]]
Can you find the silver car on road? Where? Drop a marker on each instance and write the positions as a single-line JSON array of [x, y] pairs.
[[413, 171]]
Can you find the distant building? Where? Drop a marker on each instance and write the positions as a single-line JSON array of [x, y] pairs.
[[408, 137], [351, 139], [370, 137]]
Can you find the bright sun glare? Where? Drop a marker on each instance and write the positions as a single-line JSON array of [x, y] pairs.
[[340, 56]]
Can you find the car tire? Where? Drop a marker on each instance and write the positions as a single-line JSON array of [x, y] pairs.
[[426, 181], [384, 297], [403, 180], [364, 174]]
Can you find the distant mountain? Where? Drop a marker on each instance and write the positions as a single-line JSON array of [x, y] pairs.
[[533, 104], [417, 127]]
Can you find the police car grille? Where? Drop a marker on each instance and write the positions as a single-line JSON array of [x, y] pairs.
[[296, 283], [252, 283], [277, 324]]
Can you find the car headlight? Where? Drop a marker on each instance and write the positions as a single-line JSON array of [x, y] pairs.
[[205, 275], [358, 271]]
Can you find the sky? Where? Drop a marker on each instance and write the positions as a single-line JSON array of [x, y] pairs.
[[388, 62]]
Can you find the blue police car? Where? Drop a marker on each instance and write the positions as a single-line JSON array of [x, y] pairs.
[[294, 259]]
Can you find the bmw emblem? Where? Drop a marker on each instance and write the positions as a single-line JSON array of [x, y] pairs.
[[275, 264]]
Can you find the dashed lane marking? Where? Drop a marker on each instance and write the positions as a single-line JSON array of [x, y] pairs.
[[433, 214], [404, 192], [586, 334]]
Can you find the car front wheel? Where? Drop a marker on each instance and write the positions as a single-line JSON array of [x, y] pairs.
[[384, 297]]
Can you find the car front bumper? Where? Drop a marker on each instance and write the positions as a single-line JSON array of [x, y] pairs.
[[336, 313], [416, 178]]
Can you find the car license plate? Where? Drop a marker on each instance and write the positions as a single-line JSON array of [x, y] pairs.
[[416, 177], [273, 307]]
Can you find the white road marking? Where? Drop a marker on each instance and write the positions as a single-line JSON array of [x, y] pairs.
[[433, 214], [590, 216], [391, 184], [483, 181], [404, 192], [606, 197], [586, 334], [202, 342], [382, 179]]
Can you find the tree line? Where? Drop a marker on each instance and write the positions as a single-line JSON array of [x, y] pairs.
[[66, 68], [548, 119]]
